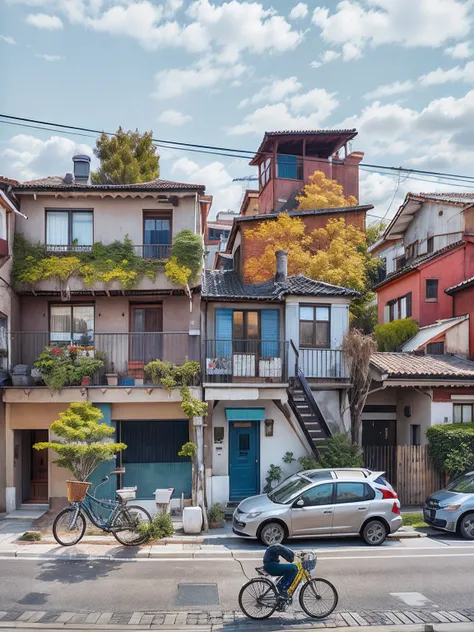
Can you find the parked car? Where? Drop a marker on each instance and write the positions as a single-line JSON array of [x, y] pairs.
[[330, 502], [452, 508]]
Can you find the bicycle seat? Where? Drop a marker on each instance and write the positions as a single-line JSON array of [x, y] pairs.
[[261, 571]]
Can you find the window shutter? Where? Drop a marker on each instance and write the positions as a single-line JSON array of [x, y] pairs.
[[224, 331], [403, 307], [287, 166], [409, 301], [386, 314], [270, 328]]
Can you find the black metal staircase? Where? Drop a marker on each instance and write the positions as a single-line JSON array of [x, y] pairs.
[[306, 409]]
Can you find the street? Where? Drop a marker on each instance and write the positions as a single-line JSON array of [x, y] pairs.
[[427, 574]]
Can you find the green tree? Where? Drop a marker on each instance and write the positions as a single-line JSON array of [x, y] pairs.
[[390, 336], [126, 158], [82, 443], [375, 232]]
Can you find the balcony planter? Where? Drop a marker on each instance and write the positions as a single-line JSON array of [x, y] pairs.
[[192, 520], [136, 368], [112, 379], [86, 381]]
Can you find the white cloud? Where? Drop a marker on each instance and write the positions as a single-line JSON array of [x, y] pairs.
[[462, 50], [440, 76], [299, 11], [431, 23], [173, 6], [303, 111], [325, 58], [388, 90], [47, 57], [44, 21], [174, 118], [175, 82], [8, 39], [27, 157], [273, 91]]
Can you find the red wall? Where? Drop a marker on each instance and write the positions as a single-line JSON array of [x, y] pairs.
[[464, 304], [449, 269]]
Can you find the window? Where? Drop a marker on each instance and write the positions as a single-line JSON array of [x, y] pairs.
[[71, 324], [430, 244], [400, 262], [398, 308], [290, 167], [432, 290], [67, 230], [463, 413], [215, 234], [415, 432], [314, 326], [265, 172], [288, 489], [382, 270], [435, 348], [319, 495], [353, 492], [156, 235], [462, 485], [411, 251]]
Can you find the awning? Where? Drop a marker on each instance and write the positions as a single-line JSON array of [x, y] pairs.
[[245, 414]]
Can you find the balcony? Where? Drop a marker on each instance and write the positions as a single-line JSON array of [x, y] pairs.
[[124, 354], [155, 252], [322, 364], [239, 361]]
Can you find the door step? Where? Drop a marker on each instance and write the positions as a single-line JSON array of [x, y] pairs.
[[28, 511]]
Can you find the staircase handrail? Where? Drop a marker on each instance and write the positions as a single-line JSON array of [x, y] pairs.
[[312, 403]]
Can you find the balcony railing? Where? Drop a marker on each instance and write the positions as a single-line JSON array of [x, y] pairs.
[[323, 363], [153, 251], [229, 361], [57, 249], [125, 354]]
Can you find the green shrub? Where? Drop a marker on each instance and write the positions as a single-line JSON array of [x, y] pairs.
[[216, 513], [274, 475], [161, 527], [308, 462], [338, 451], [31, 536], [452, 447], [390, 336]]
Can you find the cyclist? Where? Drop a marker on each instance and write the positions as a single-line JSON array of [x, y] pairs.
[[273, 566]]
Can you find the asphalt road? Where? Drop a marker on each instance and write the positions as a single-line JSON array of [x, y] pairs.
[[418, 574]]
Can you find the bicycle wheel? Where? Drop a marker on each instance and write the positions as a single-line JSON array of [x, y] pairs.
[[258, 599], [318, 598], [66, 530], [126, 525]]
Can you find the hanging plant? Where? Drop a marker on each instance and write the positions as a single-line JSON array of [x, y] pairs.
[[185, 263]]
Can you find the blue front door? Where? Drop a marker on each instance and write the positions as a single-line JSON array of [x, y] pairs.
[[244, 459]]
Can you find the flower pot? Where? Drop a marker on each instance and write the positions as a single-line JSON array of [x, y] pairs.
[[86, 381], [217, 525], [192, 520], [112, 379]]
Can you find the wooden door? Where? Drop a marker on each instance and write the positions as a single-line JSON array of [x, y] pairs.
[[39, 468]]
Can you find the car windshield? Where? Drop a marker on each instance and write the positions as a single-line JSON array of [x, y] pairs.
[[464, 484], [288, 489]]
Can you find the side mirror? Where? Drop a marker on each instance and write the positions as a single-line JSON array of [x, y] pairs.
[[299, 503]]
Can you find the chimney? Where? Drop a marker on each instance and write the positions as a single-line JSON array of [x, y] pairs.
[[82, 168], [281, 266]]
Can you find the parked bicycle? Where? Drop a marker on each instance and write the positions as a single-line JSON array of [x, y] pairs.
[[260, 597], [116, 517]]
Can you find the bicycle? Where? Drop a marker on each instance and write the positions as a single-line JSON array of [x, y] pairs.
[[260, 597], [122, 521]]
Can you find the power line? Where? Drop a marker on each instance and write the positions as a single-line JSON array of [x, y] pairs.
[[230, 152]]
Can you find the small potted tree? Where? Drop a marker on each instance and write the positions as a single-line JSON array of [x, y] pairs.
[[112, 378], [82, 444], [216, 516]]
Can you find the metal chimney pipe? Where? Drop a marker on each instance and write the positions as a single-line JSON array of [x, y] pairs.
[[281, 266]]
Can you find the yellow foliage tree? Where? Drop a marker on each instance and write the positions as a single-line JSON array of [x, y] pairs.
[[321, 192], [335, 254]]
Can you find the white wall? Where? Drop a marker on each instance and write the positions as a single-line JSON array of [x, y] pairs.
[[457, 339], [428, 222], [420, 403], [441, 413], [330, 406]]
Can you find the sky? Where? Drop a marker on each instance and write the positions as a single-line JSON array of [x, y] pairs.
[[221, 73]]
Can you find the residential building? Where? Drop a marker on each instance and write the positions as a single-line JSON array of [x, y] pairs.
[[274, 374], [449, 336], [426, 248], [216, 234], [128, 326], [287, 159], [463, 305]]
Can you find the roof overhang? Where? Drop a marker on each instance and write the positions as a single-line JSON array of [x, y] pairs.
[[9, 206]]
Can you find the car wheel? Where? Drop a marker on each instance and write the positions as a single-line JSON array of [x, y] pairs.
[[374, 533], [272, 533], [466, 526]]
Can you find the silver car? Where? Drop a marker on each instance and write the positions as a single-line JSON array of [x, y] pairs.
[[452, 508], [331, 502]]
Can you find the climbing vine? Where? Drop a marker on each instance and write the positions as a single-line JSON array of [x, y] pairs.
[[185, 263], [117, 261], [171, 376]]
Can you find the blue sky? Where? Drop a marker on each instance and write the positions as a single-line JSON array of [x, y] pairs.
[[221, 73]]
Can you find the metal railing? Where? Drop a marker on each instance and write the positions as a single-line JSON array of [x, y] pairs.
[[323, 363], [66, 248], [153, 251], [123, 353], [228, 361]]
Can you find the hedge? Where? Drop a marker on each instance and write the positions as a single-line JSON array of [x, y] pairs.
[[392, 335], [452, 447]]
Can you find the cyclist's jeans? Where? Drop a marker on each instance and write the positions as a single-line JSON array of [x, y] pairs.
[[287, 572]]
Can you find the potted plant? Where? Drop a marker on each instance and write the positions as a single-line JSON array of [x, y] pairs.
[[82, 443], [216, 516], [86, 380], [192, 516], [112, 378], [60, 366]]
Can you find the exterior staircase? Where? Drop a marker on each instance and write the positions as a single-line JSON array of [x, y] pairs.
[[308, 413]]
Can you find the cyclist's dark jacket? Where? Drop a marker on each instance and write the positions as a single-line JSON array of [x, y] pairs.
[[275, 551]]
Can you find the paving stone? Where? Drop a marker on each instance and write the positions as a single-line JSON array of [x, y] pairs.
[[104, 618], [92, 617], [64, 617], [78, 618]]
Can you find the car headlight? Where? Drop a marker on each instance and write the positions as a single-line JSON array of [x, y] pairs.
[[452, 507], [254, 514]]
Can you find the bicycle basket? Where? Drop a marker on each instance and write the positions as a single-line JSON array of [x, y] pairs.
[[76, 491], [309, 561]]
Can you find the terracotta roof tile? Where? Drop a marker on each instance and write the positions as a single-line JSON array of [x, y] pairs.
[[410, 365], [460, 286], [58, 183]]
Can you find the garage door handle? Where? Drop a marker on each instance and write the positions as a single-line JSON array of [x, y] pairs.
[[329, 511]]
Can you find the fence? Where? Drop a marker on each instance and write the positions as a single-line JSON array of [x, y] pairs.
[[409, 468]]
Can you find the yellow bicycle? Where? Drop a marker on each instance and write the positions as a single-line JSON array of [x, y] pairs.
[[260, 597]]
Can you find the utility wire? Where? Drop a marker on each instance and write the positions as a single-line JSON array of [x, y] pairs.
[[227, 151]]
